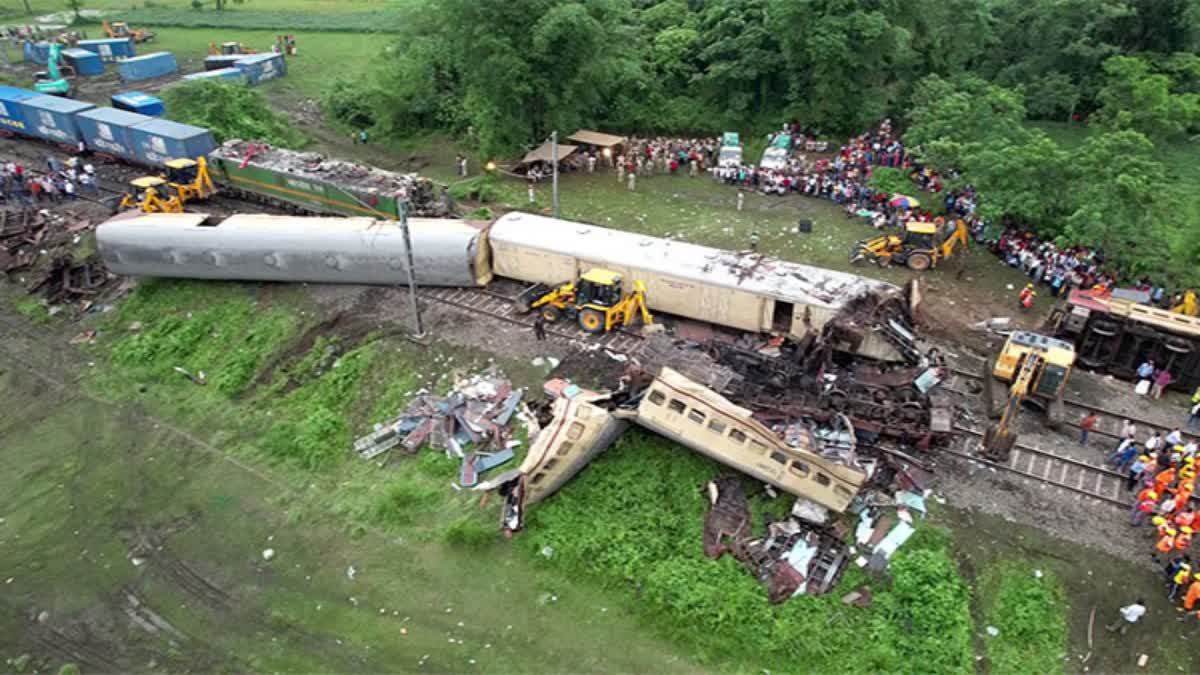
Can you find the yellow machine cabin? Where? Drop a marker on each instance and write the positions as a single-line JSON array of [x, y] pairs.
[[120, 29], [595, 300], [1036, 368], [187, 180], [921, 246]]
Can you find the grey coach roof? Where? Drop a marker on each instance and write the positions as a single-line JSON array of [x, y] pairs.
[[772, 277]]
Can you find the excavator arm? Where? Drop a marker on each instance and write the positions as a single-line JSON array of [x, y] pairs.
[[999, 439]]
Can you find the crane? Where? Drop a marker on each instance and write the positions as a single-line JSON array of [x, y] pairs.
[[54, 81]]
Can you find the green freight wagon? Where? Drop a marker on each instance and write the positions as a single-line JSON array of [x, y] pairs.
[[313, 183]]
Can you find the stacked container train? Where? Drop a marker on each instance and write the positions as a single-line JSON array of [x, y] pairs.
[[299, 181]]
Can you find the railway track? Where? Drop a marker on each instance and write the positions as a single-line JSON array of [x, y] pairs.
[[1042, 466], [502, 307]]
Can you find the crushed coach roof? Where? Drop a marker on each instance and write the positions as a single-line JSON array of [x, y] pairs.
[[750, 272]]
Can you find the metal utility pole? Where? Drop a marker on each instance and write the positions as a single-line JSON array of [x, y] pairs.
[[554, 159], [418, 329]]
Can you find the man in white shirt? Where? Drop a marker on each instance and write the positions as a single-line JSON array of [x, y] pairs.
[[1130, 614]]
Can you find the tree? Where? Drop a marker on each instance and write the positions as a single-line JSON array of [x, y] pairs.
[[1028, 180], [950, 120], [1135, 97], [742, 62]]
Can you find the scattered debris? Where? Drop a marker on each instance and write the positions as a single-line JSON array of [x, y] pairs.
[[351, 572], [993, 631], [197, 378], [475, 414], [268, 554]]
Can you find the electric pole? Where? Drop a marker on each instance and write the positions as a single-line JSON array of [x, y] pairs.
[[418, 329], [554, 157]]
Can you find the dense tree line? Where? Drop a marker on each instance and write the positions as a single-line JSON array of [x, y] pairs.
[[961, 76]]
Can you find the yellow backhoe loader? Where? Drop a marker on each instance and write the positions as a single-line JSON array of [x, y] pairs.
[[921, 246], [596, 301], [120, 29], [1036, 368], [186, 180]]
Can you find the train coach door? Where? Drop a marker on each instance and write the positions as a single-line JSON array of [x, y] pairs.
[[781, 317]]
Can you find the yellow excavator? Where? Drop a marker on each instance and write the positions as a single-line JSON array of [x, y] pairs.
[[186, 180], [1036, 368], [596, 301], [120, 29], [921, 246]]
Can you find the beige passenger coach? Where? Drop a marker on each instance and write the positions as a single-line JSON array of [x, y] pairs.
[[744, 291]]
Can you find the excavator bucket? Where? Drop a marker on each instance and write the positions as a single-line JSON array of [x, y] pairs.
[[524, 301], [998, 443]]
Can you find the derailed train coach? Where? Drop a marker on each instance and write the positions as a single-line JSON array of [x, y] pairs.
[[256, 247]]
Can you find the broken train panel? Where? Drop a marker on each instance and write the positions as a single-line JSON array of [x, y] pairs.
[[257, 247]]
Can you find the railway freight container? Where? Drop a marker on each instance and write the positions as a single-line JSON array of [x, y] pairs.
[[52, 118], [147, 67], [220, 61], [137, 102], [260, 68], [256, 247], [110, 50], [158, 141], [108, 131], [36, 52], [12, 115], [85, 63], [224, 74]]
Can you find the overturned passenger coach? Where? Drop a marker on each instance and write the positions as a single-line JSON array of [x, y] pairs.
[[293, 248]]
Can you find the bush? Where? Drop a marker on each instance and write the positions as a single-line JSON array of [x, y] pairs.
[[402, 502], [890, 180], [470, 533], [928, 611], [230, 110], [482, 189]]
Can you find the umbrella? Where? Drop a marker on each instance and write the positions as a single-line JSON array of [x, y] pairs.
[[904, 202]]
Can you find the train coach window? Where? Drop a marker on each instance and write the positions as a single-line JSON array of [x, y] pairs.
[[551, 464], [696, 416], [776, 456], [822, 479], [799, 468], [737, 436], [537, 477], [564, 448], [574, 431], [716, 426], [657, 397], [843, 492], [676, 406]]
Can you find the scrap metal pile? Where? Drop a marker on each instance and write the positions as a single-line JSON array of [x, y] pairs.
[[470, 423], [30, 236], [425, 198]]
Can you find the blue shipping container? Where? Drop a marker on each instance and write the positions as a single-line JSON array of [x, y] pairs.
[[36, 52], [147, 67], [217, 62], [85, 63], [262, 67], [158, 141], [110, 49], [231, 74], [12, 115], [106, 130], [53, 118], [136, 101]]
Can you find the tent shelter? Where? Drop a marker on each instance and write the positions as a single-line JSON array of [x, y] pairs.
[[545, 153], [596, 138]]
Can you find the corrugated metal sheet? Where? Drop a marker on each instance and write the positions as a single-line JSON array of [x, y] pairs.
[[12, 115], [107, 130], [217, 62], [36, 52], [136, 101], [110, 49], [147, 67], [262, 67], [159, 141], [290, 248], [53, 118], [87, 64], [232, 74]]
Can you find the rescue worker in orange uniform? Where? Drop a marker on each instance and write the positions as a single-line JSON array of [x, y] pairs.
[[1185, 518], [1166, 542], [1193, 594], [1164, 479], [1142, 506], [1183, 495], [1184, 539]]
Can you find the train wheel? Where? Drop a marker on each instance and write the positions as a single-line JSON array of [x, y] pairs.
[[919, 261], [1177, 345], [550, 313], [592, 320]]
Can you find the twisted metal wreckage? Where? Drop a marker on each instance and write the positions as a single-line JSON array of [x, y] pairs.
[[803, 417]]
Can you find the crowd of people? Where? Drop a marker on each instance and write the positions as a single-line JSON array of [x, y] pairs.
[[61, 181]]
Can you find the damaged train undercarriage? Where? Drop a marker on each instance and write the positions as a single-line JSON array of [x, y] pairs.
[[837, 432]]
